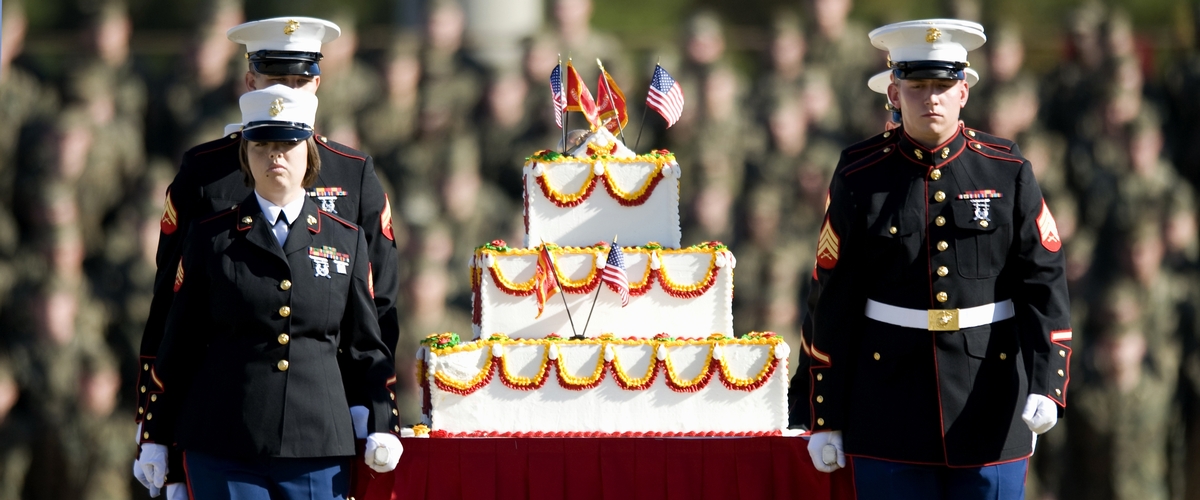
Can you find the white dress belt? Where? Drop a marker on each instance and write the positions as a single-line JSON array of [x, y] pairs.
[[940, 319]]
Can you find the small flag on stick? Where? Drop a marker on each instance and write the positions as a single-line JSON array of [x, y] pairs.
[[556, 93], [545, 279], [610, 103], [614, 273], [666, 96], [579, 98]]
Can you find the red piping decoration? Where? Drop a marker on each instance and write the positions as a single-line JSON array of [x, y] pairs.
[[594, 434], [327, 146]]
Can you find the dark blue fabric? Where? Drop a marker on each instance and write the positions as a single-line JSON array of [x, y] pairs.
[[882, 479], [267, 478]]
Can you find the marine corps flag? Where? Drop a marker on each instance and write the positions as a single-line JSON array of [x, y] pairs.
[[545, 280], [610, 103], [579, 98]]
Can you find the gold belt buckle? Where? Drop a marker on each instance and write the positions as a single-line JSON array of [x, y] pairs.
[[943, 320]]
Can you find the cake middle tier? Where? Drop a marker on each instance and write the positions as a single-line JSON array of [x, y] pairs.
[[680, 292], [578, 201]]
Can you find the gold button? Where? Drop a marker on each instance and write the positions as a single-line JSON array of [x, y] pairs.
[[1058, 392], [285, 311], [323, 139], [396, 427], [141, 410], [918, 153], [149, 416], [246, 219], [283, 339], [1003, 356], [892, 230], [146, 366], [942, 245], [983, 223], [820, 399], [943, 296], [820, 421], [153, 397], [978, 146], [940, 221], [876, 356], [887, 149], [285, 285], [935, 174], [945, 152], [943, 271], [820, 376], [939, 196], [143, 389], [886, 134], [395, 411], [145, 435], [971, 133], [393, 395], [233, 136], [282, 365], [1062, 353], [1061, 374]]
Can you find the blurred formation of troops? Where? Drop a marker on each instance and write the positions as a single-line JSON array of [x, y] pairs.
[[85, 159]]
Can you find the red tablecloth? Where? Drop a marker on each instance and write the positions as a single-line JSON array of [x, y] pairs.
[[603, 468]]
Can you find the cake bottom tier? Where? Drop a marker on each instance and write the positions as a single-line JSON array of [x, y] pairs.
[[607, 387]]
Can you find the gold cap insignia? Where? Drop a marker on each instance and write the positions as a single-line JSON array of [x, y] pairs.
[[276, 107], [311, 220], [291, 27], [933, 35]]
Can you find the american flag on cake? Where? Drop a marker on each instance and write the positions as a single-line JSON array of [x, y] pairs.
[[666, 96], [556, 93], [614, 273]]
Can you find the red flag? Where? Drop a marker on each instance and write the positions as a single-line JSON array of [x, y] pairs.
[[579, 98], [545, 279], [610, 103]]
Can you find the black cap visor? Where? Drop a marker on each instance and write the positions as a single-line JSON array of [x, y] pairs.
[[276, 131], [929, 70], [285, 62]]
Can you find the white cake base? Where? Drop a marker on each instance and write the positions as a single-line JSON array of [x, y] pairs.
[[608, 387]]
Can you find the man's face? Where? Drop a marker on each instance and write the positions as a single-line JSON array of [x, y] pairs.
[[259, 81], [930, 108]]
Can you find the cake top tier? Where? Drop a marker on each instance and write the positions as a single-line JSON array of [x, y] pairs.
[[601, 189]]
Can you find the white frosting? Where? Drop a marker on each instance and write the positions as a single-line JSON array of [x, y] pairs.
[[601, 216], [646, 315], [608, 408]]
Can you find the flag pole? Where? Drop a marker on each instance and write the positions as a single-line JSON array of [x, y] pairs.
[[566, 114], [645, 109], [595, 297], [608, 90], [558, 287]]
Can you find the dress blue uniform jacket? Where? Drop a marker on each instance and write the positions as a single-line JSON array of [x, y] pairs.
[[249, 364], [904, 227]]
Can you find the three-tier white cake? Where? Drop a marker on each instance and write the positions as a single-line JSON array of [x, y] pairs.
[[666, 364]]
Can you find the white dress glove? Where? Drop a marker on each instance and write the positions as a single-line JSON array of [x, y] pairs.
[[358, 415], [140, 475], [154, 463], [177, 491], [1040, 413], [825, 449], [383, 452]]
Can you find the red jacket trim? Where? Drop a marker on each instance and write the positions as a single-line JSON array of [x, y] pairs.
[[340, 220], [347, 155]]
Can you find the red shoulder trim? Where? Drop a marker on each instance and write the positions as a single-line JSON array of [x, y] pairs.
[[853, 168], [885, 137], [980, 135], [220, 214], [344, 222], [991, 152], [347, 155], [218, 148]]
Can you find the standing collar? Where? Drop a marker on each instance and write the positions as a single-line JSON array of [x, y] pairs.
[[937, 156], [290, 211]]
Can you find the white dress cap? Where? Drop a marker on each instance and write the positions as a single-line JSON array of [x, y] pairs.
[[945, 40], [278, 113], [294, 34]]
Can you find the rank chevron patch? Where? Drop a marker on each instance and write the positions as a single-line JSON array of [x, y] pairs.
[[170, 218], [385, 219], [1049, 229], [827, 246], [179, 275]]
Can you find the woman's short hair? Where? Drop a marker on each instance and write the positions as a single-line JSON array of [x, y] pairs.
[[310, 173]]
